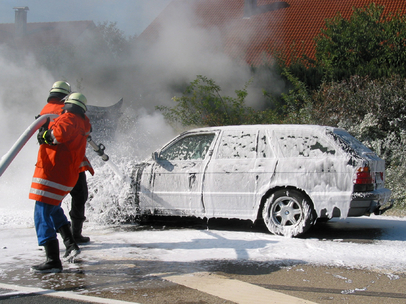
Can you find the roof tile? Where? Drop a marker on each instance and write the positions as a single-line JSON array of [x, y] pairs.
[[251, 39]]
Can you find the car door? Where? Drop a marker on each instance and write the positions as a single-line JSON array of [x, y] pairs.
[[230, 182], [313, 163], [178, 172]]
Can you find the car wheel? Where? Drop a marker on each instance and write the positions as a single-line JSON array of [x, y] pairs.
[[287, 212]]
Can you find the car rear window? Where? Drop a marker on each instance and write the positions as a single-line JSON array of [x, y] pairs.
[[346, 140], [303, 143]]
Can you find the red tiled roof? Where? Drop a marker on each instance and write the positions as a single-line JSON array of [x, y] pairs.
[[251, 39]]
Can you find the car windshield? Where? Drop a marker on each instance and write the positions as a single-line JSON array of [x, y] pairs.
[[189, 147]]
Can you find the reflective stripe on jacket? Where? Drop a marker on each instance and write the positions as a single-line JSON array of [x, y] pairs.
[[57, 168], [48, 192], [86, 166]]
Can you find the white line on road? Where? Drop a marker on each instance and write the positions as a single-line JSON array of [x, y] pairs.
[[60, 294], [232, 290]]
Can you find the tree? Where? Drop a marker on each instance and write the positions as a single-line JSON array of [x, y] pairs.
[[114, 39], [369, 43], [202, 105]]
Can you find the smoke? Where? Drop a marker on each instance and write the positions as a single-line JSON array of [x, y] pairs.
[[150, 74], [183, 44], [180, 50], [157, 69], [22, 95], [164, 59]]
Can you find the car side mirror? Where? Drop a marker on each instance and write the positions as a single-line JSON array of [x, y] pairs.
[[155, 155]]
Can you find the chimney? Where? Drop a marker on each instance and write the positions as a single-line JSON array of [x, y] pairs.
[[250, 7], [21, 20]]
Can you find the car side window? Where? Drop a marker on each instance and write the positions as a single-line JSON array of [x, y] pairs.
[[236, 144], [264, 146], [188, 148], [300, 144]]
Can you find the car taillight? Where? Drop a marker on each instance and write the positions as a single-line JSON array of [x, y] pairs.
[[363, 176], [363, 180]]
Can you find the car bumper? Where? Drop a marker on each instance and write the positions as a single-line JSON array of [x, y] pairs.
[[366, 203]]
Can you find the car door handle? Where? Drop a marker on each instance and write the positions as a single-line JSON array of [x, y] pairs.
[[192, 179]]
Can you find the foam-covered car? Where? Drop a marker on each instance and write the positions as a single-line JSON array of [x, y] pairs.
[[289, 176]]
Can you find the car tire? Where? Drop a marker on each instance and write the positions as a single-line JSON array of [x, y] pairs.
[[287, 212]]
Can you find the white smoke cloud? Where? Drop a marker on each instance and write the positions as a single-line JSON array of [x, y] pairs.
[[184, 50], [151, 76], [24, 88]]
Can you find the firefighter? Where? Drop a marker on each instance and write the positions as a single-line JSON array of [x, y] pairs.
[[79, 193], [60, 154]]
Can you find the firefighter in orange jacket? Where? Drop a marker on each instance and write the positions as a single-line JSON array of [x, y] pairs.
[[61, 152], [79, 193]]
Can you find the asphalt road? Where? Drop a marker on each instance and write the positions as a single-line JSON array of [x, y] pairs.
[[152, 282]]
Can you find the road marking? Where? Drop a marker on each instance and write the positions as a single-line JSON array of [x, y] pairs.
[[232, 290], [60, 294]]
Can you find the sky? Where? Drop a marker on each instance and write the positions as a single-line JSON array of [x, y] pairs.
[[132, 16]]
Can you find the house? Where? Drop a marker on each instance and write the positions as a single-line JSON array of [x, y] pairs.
[[40, 36], [252, 29], [34, 36]]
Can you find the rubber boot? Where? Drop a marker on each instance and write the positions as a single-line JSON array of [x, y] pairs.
[[77, 226], [72, 248], [53, 262]]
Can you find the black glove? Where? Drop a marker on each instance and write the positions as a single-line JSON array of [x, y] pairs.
[[41, 132], [46, 137]]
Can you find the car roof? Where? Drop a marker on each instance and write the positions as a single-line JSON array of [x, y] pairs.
[[262, 127]]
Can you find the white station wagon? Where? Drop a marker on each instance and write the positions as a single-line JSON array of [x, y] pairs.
[[289, 176]]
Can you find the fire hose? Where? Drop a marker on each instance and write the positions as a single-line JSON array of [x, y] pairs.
[[7, 158], [99, 149], [22, 140]]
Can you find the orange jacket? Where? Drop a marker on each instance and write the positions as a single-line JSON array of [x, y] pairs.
[[54, 106], [56, 170]]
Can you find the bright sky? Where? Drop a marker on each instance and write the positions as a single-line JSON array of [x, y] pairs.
[[132, 16]]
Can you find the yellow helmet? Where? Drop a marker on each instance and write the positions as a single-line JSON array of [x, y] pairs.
[[60, 87], [77, 99]]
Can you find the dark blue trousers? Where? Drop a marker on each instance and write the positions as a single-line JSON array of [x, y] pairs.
[[48, 219]]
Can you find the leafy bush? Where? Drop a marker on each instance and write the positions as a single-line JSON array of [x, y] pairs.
[[369, 43], [374, 111], [202, 105]]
